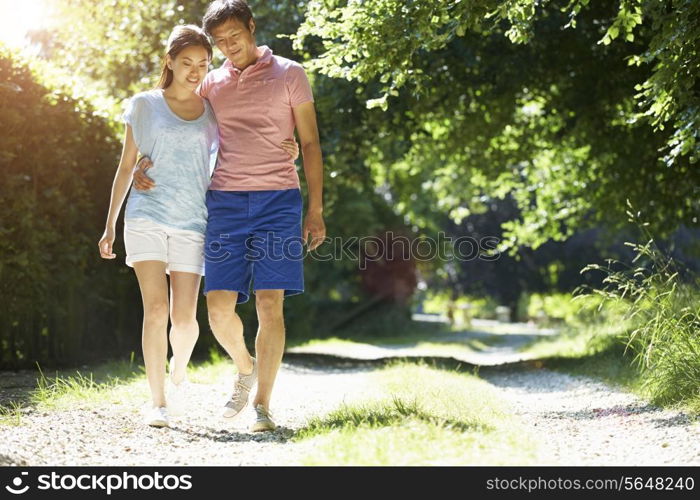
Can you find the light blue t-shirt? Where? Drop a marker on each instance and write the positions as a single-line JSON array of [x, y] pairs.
[[183, 153]]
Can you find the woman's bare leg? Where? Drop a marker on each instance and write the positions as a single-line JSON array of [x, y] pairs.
[[154, 293], [184, 329]]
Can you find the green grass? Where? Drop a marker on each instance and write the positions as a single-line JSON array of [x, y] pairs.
[[402, 331], [594, 350], [598, 351], [116, 381], [577, 340], [610, 364], [11, 414], [407, 338], [659, 299], [445, 344], [331, 341], [120, 383], [419, 416]]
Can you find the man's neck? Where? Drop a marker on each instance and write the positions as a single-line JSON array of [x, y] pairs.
[[254, 58]]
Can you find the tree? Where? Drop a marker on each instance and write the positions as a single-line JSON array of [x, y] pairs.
[[55, 158], [569, 107]]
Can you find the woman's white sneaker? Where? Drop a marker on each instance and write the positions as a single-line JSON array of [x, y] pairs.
[[157, 417]]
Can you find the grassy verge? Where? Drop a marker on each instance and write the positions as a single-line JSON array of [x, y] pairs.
[[115, 382], [437, 418], [440, 340], [445, 347], [595, 351], [120, 383], [11, 414], [413, 331], [599, 351]]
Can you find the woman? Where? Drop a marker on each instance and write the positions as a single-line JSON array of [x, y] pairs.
[[164, 228]]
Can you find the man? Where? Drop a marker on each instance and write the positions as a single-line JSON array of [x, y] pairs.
[[254, 201]]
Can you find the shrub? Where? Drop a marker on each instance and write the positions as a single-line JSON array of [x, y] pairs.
[[57, 159], [663, 306]]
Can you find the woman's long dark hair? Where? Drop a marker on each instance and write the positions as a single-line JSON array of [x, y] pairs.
[[183, 36]]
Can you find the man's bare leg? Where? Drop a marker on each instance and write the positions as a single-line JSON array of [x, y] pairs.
[[269, 343], [228, 328]]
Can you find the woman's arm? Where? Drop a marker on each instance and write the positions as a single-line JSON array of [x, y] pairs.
[[142, 182], [120, 186]]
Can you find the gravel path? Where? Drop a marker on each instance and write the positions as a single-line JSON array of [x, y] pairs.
[[115, 435], [580, 421], [577, 420]]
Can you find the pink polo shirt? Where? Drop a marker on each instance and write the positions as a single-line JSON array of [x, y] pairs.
[[253, 108]]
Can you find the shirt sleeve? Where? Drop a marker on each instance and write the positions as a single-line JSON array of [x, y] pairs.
[[203, 89], [298, 87], [135, 116]]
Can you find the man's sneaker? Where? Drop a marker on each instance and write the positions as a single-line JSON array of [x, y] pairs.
[[263, 420], [241, 390], [157, 417]]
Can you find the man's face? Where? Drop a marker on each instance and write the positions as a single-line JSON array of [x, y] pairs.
[[236, 42]]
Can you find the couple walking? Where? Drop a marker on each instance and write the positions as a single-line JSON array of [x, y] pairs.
[[241, 224]]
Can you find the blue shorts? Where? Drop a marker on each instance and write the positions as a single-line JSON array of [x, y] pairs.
[[254, 236]]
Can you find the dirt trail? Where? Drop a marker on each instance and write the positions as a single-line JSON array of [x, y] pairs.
[[576, 419]]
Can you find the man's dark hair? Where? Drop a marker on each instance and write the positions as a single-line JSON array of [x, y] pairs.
[[221, 11]]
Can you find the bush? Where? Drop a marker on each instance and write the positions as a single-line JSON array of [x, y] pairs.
[[663, 307], [550, 309], [465, 306], [57, 159]]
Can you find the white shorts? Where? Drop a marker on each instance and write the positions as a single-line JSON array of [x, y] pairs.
[[180, 249]]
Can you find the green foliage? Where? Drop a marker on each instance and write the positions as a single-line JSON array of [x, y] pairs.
[[524, 99], [551, 308], [663, 311], [119, 45], [465, 306], [669, 97], [474, 105], [384, 38], [56, 161], [568, 310]]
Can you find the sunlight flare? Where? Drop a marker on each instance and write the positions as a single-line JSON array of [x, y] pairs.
[[17, 18]]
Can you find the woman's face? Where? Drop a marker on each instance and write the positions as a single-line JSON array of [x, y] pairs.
[[190, 66]]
